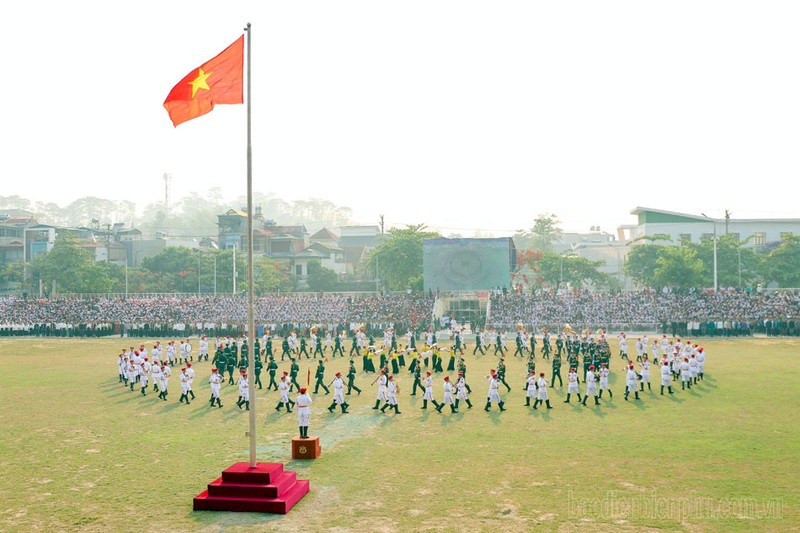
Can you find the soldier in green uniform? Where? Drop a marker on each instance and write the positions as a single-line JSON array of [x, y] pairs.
[[462, 371], [559, 344], [258, 367], [320, 375], [245, 354], [285, 350], [501, 373], [219, 355], [293, 371], [337, 345], [257, 349], [417, 381], [272, 369], [533, 343], [530, 366], [268, 345], [303, 348], [351, 378], [546, 348], [354, 347], [318, 347], [520, 346], [556, 372], [233, 363]]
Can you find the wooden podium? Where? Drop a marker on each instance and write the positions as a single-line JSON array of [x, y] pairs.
[[307, 448]]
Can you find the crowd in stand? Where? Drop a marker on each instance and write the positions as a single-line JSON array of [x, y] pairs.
[[692, 312]]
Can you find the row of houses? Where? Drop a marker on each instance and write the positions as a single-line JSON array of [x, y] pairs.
[[343, 250]]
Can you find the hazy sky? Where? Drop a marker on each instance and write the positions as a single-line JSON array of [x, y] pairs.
[[461, 115]]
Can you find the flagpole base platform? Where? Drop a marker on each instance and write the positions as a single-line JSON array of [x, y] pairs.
[[267, 488], [307, 448]]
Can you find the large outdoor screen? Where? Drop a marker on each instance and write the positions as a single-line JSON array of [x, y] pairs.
[[467, 264]]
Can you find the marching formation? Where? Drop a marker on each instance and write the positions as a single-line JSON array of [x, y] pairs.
[[587, 355]]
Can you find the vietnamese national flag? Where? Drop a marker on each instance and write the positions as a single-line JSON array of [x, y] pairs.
[[218, 81]]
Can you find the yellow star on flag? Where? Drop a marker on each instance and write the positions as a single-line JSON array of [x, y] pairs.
[[200, 81]]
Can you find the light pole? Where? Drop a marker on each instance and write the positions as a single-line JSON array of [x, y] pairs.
[[714, 224]]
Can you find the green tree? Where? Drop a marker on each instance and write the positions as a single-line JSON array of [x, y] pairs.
[[678, 266], [578, 272], [321, 278], [642, 262], [781, 264], [398, 259], [270, 275], [73, 269], [542, 235]]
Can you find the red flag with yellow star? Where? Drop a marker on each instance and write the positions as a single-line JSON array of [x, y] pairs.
[[218, 81]]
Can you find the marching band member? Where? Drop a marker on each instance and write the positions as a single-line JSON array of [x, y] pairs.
[[604, 372], [494, 392], [666, 377], [447, 398], [631, 379], [531, 388], [392, 390], [572, 384]]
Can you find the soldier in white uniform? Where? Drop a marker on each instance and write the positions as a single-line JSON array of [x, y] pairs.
[[572, 384], [631, 383], [428, 396], [645, 374], [215, 380], [203, 349], [541, 393], [686, 374], [190, 374], [283, 387], [447, 397], [623, 345], [494, 392], [184, 386], [701, 362], [338, 394], [303, 411], [666, 377], [604, 372], [166, 372], [391, 389], [144, 374], [382, 389], [244, 390], [531, 387], [155, 375], [591, 386], [693, 368], [461, 391]]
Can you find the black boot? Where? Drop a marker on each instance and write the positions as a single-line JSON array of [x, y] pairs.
[[601, 393], [278, 407], [579, 397], [662, 390], [438, 406], [332, 407], [424, 404], [377, 404], [584, 400], [536, 403], [192, 393], [469, 404], [344, 407], [246, 405], [501, 404], [527, 401], [488, 406], [383, 409], [457, 400], [219, 403], [239, 403], [567, 400], [637, 395], [670, 389], [548, 404], [596, 401], [396, 410], [610, 394], [301, 431], [626, 395]]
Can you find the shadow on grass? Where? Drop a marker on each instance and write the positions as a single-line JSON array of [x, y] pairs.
[[224, 519]]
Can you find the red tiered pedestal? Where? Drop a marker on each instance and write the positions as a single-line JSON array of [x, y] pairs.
[[308, 448], [267, 488]]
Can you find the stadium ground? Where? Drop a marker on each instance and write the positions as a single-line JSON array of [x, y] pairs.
[[81, 453]]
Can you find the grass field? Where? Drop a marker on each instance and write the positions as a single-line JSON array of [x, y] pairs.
[[81, 453]]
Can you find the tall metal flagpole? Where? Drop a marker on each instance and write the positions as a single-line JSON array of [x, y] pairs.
[[251, 330]]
